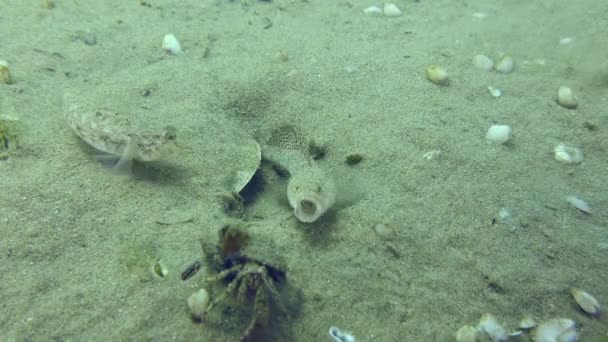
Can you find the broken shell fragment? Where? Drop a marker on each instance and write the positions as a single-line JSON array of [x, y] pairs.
[[171, 44], [567, 154], [586, 301]]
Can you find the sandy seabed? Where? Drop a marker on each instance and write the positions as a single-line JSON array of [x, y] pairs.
[[70, 231]]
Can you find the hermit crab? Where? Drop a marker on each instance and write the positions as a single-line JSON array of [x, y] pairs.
[[253, 269]]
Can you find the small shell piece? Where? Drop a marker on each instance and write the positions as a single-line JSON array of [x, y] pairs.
[[384, 231], [565, 98], [586, 301], [498, 134], [505, 65], [198, 303], [437, 75], [490, 326], [483, 62], [568, 154], [527, 323], [579, 204], [391, 10], [466, 334], [373, 10], [5, 75], [171, 44]]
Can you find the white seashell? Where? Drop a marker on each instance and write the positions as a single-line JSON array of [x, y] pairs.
[[385, 231], [566, 41], [556, 330], [483, 62], [566, 98], [490, 326], [373, 10], [198, 303], [171, 44], [505, 65], [5, 75], [495, 92], [391, 10], [466, 334], [579, 204], [498, 134], [567, 154], [432, 155], [340, 336], [586, 301], [437, 75], [480, 15], [527, 323]]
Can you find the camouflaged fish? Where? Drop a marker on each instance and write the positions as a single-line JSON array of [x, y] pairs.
[[110, 132]]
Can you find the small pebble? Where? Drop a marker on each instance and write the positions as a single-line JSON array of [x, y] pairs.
[[565, 98]]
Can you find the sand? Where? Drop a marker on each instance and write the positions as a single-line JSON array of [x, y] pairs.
[[77, 241]]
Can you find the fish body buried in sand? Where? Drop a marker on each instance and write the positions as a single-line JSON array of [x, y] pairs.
[[310, 191], [109, 132]]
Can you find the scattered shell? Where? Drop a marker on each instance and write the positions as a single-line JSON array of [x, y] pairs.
[[555, 329], [432, 155], [566, 98], [490, 326], [385, 231], [483, 62], [505, 65], [373, 10], [437, 75], [340, 336], [586, 301], [391, 10], [498, 134], [466, 334], [566, 41], [160, 269], [579, 204], [198, 303], [567, 154], [495, 92], [171, 44], [527, 323], [480, 15], [5, 75]]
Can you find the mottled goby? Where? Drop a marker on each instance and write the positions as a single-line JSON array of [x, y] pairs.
[[110, 132]]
